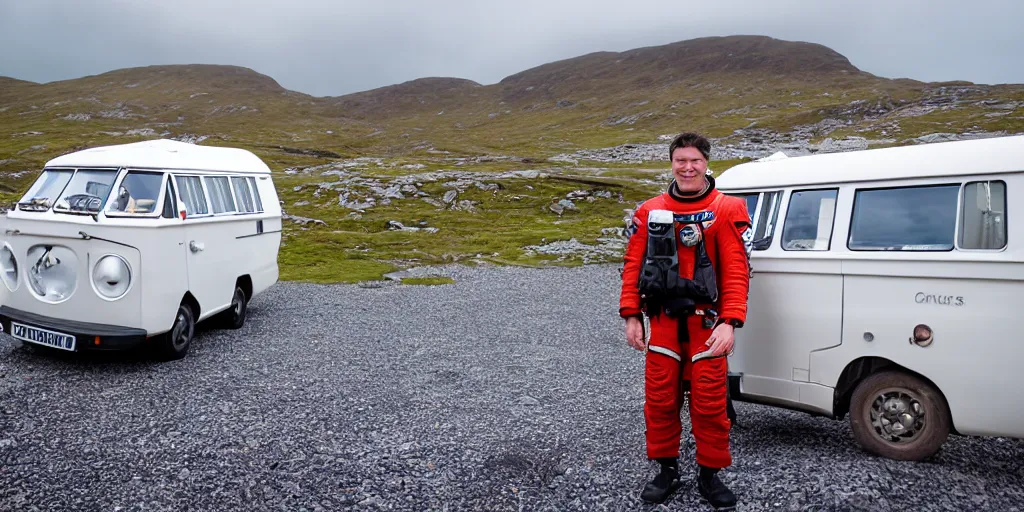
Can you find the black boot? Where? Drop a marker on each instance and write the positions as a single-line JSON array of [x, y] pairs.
[[664, 484], [712, 489]]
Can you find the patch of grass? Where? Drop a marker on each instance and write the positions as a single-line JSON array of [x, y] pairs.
[[498, 229], [428, 281], [314, 259]]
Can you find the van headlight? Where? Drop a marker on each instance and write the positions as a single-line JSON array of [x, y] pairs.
[[51, 271], [8, 267], [111, 276]]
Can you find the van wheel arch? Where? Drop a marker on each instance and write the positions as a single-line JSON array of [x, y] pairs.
[[234, 316], [166, 347], [190, 300], [861, 368], [245, 282]]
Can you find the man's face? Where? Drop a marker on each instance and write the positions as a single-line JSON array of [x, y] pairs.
[[688, 168]]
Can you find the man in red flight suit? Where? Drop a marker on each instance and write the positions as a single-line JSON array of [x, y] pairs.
[[686, 266]]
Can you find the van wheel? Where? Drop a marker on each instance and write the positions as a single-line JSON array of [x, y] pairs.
[[899, 416], [175, 343], [234, 316]]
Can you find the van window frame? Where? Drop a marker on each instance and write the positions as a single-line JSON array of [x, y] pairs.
[[257, 200], [206, 195], [956, 225], [74, 174], [962, 205], [248, 185], [772, 218], [832, 229], [209, 197], [157, 208], [203, 176], [23, 200], [172, 190]]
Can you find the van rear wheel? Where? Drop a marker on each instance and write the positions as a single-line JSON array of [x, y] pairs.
[[899, 416], [175, 343]]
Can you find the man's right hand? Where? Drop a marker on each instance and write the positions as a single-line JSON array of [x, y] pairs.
[[635, 333]]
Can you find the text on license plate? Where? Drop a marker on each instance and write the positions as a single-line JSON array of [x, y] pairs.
[[42, 336]]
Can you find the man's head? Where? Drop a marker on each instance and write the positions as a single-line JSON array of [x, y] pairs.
[[689, 153]]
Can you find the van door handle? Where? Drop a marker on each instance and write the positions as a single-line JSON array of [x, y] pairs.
[[196, 246]]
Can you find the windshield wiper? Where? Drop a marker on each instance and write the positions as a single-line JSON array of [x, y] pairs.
[[36, 204]]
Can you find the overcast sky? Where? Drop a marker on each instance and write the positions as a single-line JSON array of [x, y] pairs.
[[334, 47]]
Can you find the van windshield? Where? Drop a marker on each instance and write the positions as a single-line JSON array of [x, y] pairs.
[[86, 192], [44, 192]]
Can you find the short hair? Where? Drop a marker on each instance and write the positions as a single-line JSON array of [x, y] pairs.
[[691, 140]]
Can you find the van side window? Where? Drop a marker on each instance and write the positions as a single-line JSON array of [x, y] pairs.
[[809, 219], [220, 194], [192, 195], [255, 194], [241, 188], [904, 219], [138, 193], [983, 220]]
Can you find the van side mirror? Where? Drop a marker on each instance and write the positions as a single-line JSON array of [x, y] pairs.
[[181, 209]]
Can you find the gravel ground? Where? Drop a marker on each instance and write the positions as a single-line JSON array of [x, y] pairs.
[[512, 389]]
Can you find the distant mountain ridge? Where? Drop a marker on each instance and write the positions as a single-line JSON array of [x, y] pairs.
[[737, 89]]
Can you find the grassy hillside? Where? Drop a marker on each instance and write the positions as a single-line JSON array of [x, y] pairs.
[[745, 91]]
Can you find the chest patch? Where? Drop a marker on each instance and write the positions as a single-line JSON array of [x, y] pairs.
[[689, 236]]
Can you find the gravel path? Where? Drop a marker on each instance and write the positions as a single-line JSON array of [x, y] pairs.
[[500, 392]]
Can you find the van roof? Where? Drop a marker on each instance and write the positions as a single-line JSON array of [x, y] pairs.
[[165, 154], [956, 158]]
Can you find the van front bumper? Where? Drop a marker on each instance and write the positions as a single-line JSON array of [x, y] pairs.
[[67, 334]]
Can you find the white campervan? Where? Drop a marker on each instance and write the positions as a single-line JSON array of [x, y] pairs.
[[121, 245], [886, 285]]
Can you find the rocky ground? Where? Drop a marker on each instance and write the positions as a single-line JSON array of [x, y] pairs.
[[510, 390], [358, 192], [756, 143], [882, 117]]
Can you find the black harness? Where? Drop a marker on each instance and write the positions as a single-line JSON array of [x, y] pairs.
[[662, 289]]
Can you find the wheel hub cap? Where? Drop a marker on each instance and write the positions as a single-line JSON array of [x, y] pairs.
[[897, 416]]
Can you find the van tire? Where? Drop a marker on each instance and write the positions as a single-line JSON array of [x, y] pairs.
[[175, 343], [890, 393], [234, 316]]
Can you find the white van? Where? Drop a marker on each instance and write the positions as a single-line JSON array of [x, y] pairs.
[[120, 245], [886, 285]]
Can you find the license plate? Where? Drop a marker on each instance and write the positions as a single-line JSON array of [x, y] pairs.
[[43, 336]]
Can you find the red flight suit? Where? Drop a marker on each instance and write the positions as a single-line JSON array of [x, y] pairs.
[[723, 240]]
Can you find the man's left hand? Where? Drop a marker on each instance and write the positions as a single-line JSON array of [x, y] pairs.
[[721, 339]]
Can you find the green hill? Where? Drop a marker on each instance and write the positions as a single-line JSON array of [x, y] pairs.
[[753, 94]]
